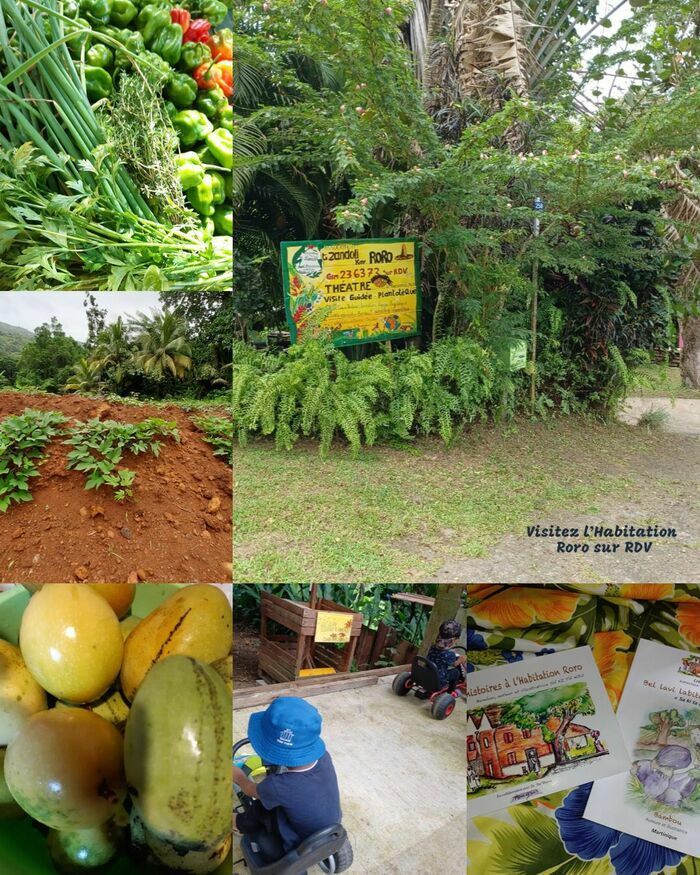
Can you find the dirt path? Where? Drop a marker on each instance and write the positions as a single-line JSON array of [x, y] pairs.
[[682, 414], [165, 533], [665, 491]]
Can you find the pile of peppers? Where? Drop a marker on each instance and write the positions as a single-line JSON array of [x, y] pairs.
[[197, 60]]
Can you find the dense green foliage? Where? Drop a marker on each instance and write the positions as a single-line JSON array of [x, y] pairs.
[[348, 126], [46, 362], [179, 352], [12, 340]]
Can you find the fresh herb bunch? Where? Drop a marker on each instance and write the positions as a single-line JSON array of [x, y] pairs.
[[219, 433], [22, 442], [100, 446]]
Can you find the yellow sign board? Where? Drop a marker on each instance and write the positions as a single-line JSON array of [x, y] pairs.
[[358, 290], [334, 626]]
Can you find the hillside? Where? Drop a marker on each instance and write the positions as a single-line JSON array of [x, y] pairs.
[[13, 339]]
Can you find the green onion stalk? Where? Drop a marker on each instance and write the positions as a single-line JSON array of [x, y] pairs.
[[71, 217]]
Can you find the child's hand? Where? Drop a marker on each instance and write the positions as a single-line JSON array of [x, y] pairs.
[[238, 774], [461, 659]]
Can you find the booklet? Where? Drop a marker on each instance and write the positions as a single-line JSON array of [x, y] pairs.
[[538, 726], [658, 799]]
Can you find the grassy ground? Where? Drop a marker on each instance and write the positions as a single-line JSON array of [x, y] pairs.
[[657, 381], [299, 517]]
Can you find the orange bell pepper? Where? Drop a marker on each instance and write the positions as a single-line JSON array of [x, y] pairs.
[[218, 75], [221, 45]]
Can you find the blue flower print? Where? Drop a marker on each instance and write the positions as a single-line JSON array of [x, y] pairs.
[[591, 841], [475, 641]]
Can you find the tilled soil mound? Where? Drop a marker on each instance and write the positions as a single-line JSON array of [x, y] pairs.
[[175, 529]]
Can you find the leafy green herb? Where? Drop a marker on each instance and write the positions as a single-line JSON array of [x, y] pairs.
[[219, 433], [22, 442], [98, 448]]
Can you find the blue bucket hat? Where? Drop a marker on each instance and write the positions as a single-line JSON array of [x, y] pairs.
[[287, 733]]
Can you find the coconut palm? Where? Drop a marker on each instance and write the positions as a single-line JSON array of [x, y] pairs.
[[161, 344], [86, 376], [113, 351]]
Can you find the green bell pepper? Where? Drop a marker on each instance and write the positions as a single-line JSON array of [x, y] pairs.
[[220, 144], [226, 119], [194, 54], [98, 83], [100, 56], [214, 11], [134, 43], [75, 46], [192, 126], [96, 11], [168, 43], [123, 13], [181, 89], [70, 8], [155, 68], [170, 109], [223, 221], [208, 227], [211, 103], [150, 20], [190, 169], [218, 188], [202, 197]]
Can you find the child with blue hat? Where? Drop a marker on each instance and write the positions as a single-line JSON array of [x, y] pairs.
[[449, 664], [301, 795]]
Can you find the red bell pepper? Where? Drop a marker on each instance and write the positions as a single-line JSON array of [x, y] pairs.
[[198, 31], [181, 17], [219, 75]]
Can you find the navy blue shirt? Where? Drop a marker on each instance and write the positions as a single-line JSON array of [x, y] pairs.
[[305, 801], [443, 660]]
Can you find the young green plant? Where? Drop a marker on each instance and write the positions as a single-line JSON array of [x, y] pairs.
[[22, 442]]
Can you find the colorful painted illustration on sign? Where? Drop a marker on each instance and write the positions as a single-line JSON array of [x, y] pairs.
[[524, 739], [358, 290], [665, 773]]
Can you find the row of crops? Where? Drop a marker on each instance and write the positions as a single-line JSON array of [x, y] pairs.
[[97, 449], [116, 145]]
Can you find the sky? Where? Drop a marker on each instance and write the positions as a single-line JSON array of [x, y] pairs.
[[31, 309]]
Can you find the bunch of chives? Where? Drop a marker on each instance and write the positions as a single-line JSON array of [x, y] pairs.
[[42, 99]]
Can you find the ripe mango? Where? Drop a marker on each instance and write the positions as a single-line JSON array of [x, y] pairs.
[[65, 769], [20, 695], [195, 621], [71, 642]]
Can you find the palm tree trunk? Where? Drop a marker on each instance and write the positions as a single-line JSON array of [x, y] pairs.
[[690, 354]]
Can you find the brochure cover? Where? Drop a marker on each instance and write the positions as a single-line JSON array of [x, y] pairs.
[[536, 727], [659, 713]]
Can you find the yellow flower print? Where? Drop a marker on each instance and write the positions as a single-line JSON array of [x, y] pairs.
[[612, 664], [688, 616], [520, 607], [647, 591]]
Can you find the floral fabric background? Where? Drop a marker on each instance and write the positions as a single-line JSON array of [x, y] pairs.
[[508, 623]]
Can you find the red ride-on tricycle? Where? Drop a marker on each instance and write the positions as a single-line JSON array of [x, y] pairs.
[[423, 680]]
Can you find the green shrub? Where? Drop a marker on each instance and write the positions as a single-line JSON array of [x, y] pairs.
[[313, 390]]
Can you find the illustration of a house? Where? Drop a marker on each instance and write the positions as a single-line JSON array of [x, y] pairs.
[[497, 750]]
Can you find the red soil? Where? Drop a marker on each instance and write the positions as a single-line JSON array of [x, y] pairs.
[[164, 534]]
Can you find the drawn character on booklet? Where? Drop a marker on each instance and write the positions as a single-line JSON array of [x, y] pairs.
[[666, 771], [524, 739]]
